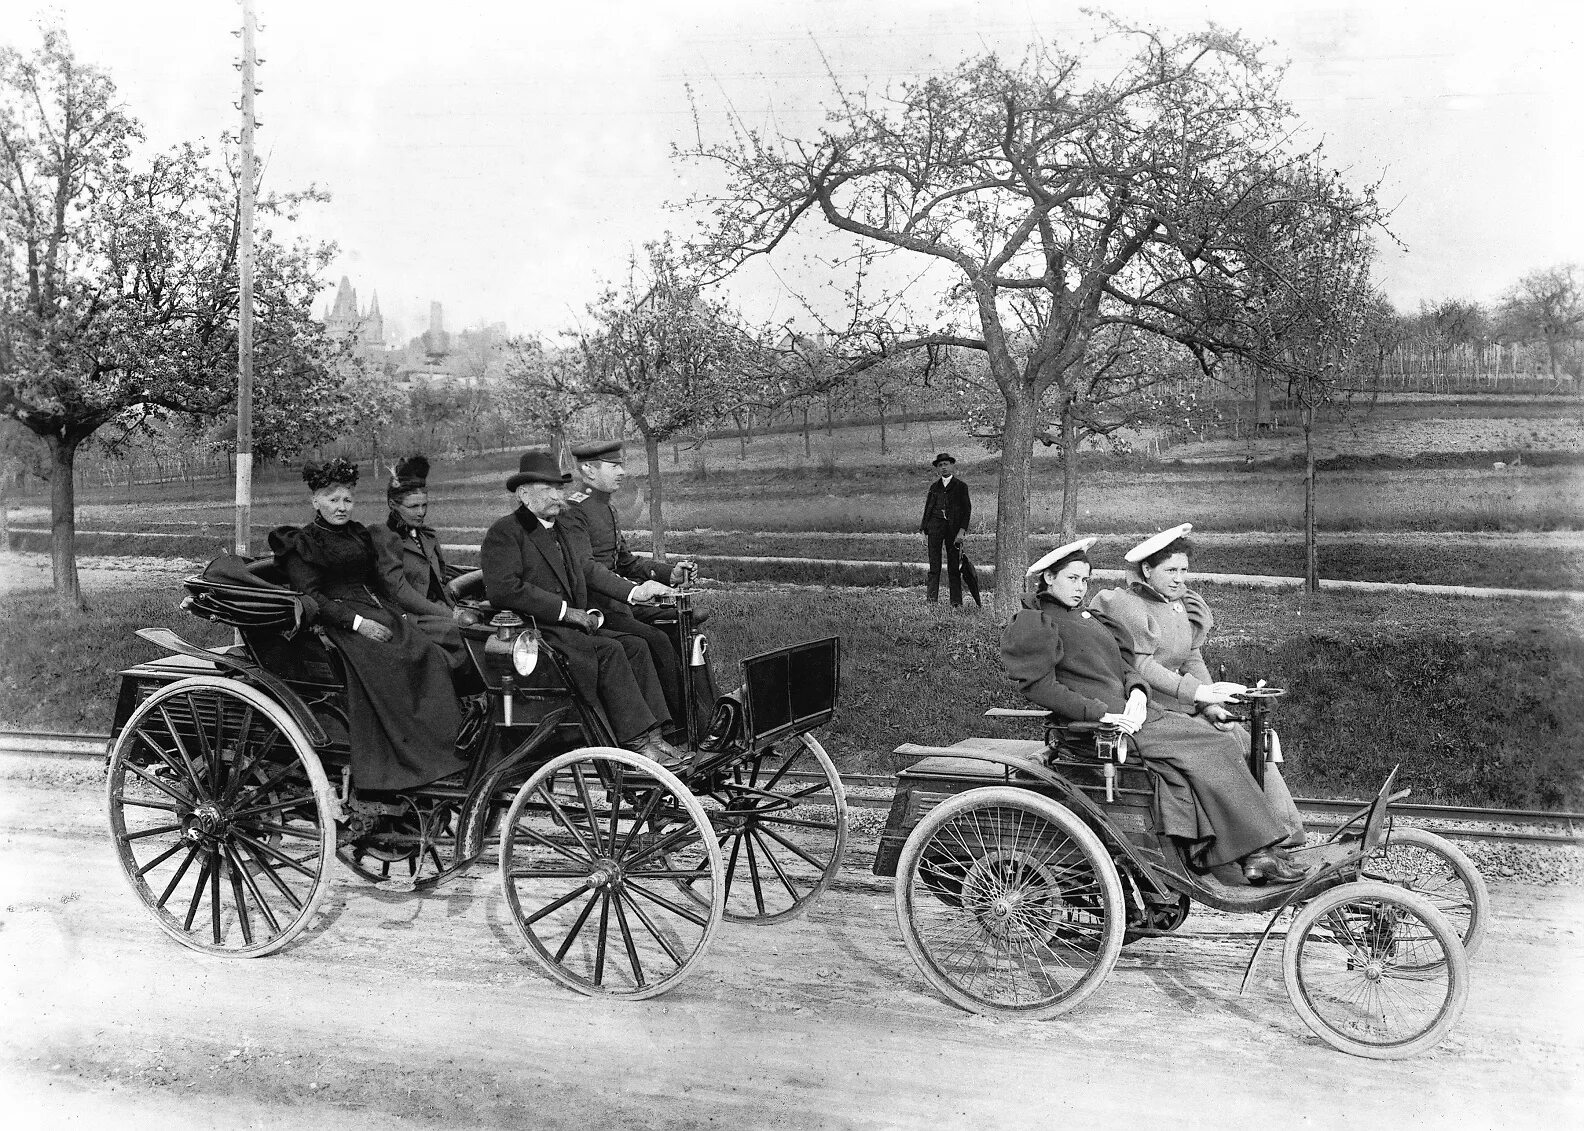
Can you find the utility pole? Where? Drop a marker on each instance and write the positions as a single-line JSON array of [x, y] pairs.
[[244, 445]]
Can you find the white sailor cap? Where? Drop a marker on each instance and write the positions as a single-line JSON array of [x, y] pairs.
[[1058, 554], [1156, 542]]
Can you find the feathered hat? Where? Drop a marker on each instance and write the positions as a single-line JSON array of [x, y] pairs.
[[320, 476], [411, 474]]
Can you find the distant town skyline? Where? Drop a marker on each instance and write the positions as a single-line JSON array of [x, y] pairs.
[[503, 160]]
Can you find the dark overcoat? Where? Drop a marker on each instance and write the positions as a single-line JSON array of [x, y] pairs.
[[1068, 661], [414, 571], [947, 508], [540, 572], [401, 710]]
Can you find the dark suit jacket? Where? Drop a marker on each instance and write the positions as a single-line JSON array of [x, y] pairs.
[[593, 513], [947, 505], [525, 571], [413, 571]]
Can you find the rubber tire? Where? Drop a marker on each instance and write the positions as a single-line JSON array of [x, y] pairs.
[[1446, 937], [1095, 854], [1478, 896]]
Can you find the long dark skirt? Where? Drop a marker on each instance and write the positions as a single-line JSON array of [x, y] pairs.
[[1204, 792], [401, 708]]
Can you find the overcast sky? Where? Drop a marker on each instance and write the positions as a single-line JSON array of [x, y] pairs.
[[501, 161]]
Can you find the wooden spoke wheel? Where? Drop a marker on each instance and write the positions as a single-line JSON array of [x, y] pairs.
[[782, 829], [592, 852], [1009, 903], [1437, 869], [1375, 970], [222, 817]]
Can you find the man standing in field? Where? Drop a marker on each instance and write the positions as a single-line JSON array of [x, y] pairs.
[[946, 514]]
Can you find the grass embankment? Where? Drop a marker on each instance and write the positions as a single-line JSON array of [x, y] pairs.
[[1479, 700]]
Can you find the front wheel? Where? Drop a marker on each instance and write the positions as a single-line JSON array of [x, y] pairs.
[[590, 862], [782, 833], [1375, 970], [1437, 869], [1009, 904]]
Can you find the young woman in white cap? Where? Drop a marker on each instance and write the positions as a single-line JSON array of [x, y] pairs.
[[1161, 626], [1064, 658]]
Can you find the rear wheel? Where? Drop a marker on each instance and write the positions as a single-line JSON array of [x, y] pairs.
[[221, 816], [1437, 869], [1009, 904], [591, 853], [1375, 970]]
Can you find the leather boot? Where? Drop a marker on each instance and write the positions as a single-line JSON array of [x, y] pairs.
[[1265, 866]]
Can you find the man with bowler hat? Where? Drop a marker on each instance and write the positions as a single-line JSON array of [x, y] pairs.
[[591, 512], [536, 567], [946, 514]]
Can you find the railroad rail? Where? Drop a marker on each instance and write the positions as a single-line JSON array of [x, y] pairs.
[[874, 791]]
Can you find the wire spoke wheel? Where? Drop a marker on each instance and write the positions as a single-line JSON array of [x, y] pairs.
[[782, 829], [1431, 865], [1375, 970], [1009, 904], [221, 817], [592, 852]]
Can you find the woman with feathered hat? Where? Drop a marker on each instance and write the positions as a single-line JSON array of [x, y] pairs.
[[401, 709], [412, 565]]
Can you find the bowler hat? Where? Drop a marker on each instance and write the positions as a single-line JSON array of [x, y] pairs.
[[608, 450], [537, 467], [944, 457]]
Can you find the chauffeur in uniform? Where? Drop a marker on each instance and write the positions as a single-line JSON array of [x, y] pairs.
[[946, 514], [592, 513], [540, 568]]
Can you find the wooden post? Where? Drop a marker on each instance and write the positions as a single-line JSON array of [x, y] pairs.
[[244, 446]]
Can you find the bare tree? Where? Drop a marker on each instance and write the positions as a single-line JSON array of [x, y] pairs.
[[673, 357], [544, 387], [1548, 305], [1059, 199]]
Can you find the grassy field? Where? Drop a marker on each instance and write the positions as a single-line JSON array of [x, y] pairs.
[[1479, 700]]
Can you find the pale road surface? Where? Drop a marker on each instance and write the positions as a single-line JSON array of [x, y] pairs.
[[422, 1011]]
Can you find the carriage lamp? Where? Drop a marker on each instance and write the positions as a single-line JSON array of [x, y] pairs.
[[525, 652]]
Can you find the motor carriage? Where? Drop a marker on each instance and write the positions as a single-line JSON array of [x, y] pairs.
[[231, 797], [1024, 866]]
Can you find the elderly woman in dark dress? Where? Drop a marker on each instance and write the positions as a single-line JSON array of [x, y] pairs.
[[1064, 658], [402, 712], [412, 566], [1161, 626]]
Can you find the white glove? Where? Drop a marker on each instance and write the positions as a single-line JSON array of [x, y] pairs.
[[1121, 722], [1219, 692], [645, 593]]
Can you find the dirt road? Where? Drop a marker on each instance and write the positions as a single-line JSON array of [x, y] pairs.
[[421, 1010]]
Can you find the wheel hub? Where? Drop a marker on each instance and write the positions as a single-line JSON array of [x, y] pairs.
[[207, 822]]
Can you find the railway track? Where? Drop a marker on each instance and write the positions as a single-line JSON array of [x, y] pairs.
[[874, 791]]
